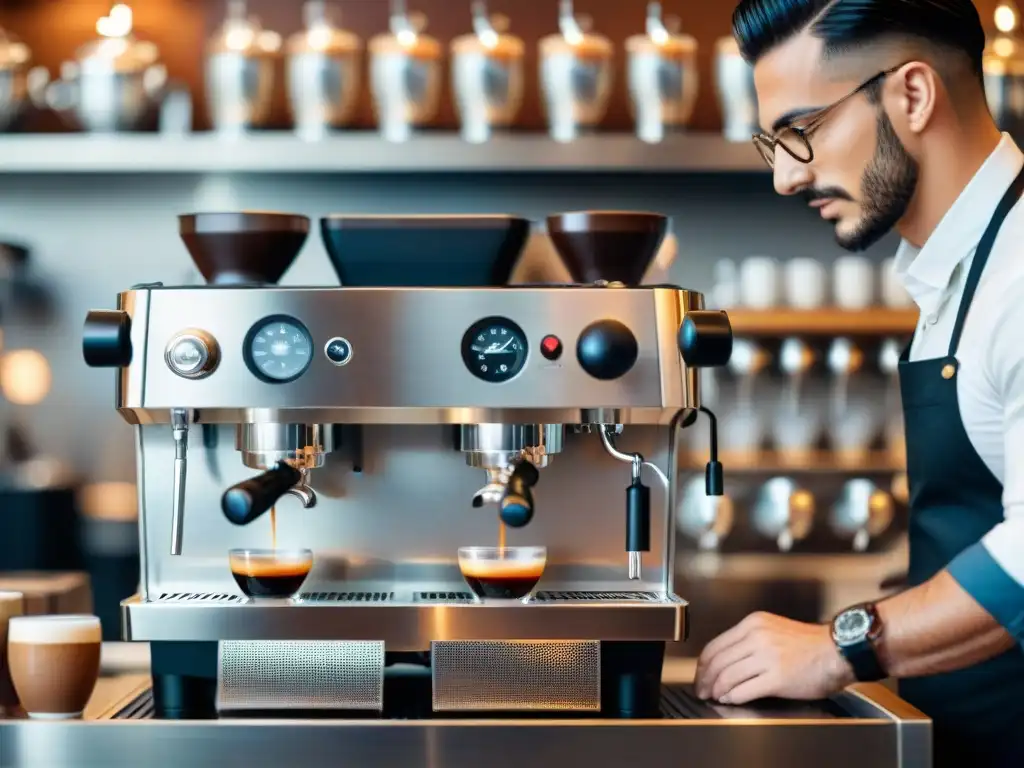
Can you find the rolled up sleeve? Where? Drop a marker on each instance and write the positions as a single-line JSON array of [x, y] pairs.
[[992, 570]]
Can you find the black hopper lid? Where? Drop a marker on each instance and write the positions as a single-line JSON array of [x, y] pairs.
[[465, 251], [243, 247], [614, 246]]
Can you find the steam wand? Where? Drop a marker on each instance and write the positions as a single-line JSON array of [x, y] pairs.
[[179, 424]]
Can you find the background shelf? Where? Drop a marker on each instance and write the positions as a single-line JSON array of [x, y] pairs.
[[823, 322], [366, 152]]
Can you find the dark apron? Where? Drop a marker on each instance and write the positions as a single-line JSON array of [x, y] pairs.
[[977, 713]]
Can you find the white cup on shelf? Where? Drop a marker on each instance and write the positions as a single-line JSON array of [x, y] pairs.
[[803, 283], [853, 282], [894, 295], [759, 282]]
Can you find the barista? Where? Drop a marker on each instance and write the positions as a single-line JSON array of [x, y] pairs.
[[874, 112]]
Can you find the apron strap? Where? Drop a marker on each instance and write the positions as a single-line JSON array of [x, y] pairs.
[[1010, 199]]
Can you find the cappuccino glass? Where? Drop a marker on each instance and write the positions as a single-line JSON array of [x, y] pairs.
[[506, 573], [270, 572], [54, 663], [11, 604]]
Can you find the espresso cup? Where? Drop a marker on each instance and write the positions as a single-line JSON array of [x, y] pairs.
[[804, 283], [853, 282], [54, 663], [759, 282], [270, 572], [11, 604], [504, 573]]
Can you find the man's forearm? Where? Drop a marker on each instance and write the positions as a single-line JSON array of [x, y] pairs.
[[937, 627]]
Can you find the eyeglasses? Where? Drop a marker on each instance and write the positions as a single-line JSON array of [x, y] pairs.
[[796, 141]]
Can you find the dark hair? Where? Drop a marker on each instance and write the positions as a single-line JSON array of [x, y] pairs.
[[843, 25]]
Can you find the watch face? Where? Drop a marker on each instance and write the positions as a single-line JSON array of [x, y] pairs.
[[851, 626]]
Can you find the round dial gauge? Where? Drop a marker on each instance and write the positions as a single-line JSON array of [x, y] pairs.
[[278, 349], [494, 349], [852, 626]]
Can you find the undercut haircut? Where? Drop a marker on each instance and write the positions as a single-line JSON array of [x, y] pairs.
[[844, 26]]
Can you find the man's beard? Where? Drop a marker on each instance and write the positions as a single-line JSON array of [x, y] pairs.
[[886, 190]]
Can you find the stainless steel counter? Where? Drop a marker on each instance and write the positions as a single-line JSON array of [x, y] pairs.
[[866, 725]]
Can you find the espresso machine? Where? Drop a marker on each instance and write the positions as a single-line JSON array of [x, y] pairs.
[[390, 421]]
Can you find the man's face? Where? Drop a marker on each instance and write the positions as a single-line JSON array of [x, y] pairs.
[[861, 177]]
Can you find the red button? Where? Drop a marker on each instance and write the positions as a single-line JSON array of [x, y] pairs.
[[551, 347]]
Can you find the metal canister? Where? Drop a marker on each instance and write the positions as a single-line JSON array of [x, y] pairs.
[[576, 75], [240, 72], [405, 76], [20, 85], [487, 75], [662, 76], [113, 84], [323, 74], [737, 98]]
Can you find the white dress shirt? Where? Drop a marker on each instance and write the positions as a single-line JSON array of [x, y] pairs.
[[990, 385]]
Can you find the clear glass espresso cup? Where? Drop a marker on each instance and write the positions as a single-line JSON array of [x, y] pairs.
[[502, 573], [270, 572]]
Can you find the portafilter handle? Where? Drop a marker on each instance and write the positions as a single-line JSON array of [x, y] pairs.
[[516, 506], [243, 503]]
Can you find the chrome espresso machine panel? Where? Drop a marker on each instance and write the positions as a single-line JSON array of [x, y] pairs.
[[425, 493]]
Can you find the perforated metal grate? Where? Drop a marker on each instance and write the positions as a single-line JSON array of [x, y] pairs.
[[512, 676], [609, 597], [347, 597], [288, 674], [443, 597], [199, 597]]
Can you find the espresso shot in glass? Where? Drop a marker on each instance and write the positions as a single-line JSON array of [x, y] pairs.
[[502, 573], [273, 573]]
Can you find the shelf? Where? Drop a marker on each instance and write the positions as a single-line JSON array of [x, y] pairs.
[[769, 462], [823, 322], [366, 152]]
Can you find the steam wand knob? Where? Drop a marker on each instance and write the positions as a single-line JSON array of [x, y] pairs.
[[516, 505], [638, 518], [714, 473]]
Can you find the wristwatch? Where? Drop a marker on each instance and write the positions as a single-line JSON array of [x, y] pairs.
[[856, 632]]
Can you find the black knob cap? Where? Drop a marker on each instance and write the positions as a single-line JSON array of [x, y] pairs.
[[243, 503], [607, 349], [705, 339], [106, 341], [516, 508]]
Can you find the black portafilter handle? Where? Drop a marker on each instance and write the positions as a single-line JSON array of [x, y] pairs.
[[243, 503], [516, 507]]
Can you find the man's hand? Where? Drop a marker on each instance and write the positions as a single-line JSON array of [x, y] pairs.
[[766, 655]]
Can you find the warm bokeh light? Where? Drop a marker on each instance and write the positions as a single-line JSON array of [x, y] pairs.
[[25, 376], [109, 501], [1006, 18], [117, 23]]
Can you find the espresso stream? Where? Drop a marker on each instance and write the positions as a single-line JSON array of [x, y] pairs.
[[273, 527]]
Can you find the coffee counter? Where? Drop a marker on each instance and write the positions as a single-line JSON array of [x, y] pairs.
[[866, 725]]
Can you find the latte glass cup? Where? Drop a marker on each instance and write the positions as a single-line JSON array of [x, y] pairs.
[[504, 573], [54, 663]]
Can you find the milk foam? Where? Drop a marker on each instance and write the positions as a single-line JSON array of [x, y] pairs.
[[51, 630]]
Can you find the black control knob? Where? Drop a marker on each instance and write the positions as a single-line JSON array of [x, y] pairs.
[[243, 503], [705, 339], [607, 349], [106, 341]]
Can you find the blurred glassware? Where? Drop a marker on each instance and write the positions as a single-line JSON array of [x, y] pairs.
[[115, 82], [241, 72], [705, 519], [894, 295], [796, 423], [853, 282], [862, 512], [759, 282], [1003, 67], [803, 283], [21, 86], [323, 71], [724, 292], [844, 359], [405, 74], [661, 76], [576, 74], [783, 512], [853, 431], [888, 364], [487, 75], [737, 98]]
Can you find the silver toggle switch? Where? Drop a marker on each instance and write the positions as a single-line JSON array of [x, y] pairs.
[[192, 354]]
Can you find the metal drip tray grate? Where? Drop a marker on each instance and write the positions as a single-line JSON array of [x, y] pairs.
[[199, 597], [600, 597], [443, 597], [347, 597]]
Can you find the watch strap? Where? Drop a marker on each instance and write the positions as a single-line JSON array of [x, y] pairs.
[[864, 661]]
